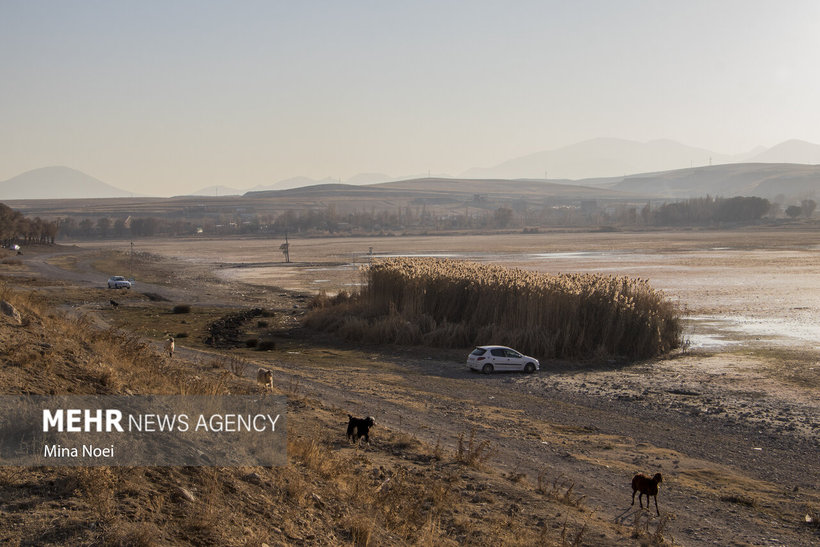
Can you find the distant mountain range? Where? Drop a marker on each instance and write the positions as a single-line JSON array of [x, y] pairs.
[[665, 168], [617, 157]]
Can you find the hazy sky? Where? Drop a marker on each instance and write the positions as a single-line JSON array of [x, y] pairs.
[[164, 97]]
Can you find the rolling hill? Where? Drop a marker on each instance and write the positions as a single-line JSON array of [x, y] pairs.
[[57, 182], [444, 190], [793, 151], [766, 180]]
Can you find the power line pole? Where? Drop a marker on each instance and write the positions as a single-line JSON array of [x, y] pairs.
[[285, 248]]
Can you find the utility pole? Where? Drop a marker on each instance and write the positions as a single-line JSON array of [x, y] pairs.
[[285, 248]]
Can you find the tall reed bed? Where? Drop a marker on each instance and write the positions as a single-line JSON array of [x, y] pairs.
[[449, 303]]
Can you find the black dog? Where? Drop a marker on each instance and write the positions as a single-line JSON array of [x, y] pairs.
[[359, 427], [114, 304]]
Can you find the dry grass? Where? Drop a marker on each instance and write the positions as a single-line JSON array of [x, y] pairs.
[[740, 499], [449, 303], [390, 493]]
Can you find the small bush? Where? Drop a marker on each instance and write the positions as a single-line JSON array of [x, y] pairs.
[[251, 342], [472, 453], [181, 335], [181, 308], [238, 367], [361, 530]]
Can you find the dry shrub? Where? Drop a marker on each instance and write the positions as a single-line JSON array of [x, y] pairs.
[[361, 529], [456, 304], [431, 533], [96, 486], [295, 489], [238, 367], [120, 533], [292, 388], [200, 385], [472, 453], [181, 308], [641, 528], [568, 540], [210, 495], [559, 489], [322, 300], [316, 456]]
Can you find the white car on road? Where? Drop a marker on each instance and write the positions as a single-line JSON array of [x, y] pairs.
[[489, 359], [118, 282]]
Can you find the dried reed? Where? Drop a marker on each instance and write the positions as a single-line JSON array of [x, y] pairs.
[[449, 303]]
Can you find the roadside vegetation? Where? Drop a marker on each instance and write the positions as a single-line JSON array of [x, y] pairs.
[[447, 303]]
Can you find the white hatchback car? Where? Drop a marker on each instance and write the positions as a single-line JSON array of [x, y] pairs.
[[118, 282], [489, 359]]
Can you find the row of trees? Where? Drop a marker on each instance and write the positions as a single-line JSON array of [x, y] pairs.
[[15, 228], [707, 211], [710, 211], [105, 227]]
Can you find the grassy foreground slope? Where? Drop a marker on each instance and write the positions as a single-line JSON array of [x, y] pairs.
[[397, 491]]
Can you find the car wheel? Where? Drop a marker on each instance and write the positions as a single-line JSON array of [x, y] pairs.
[[488, 369], [529, 368]]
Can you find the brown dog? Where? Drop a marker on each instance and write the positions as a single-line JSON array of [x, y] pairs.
[[647, 486], [264, 378]]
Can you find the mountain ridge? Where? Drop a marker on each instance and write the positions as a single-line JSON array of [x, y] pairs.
[[595, 162], [58, 182]]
